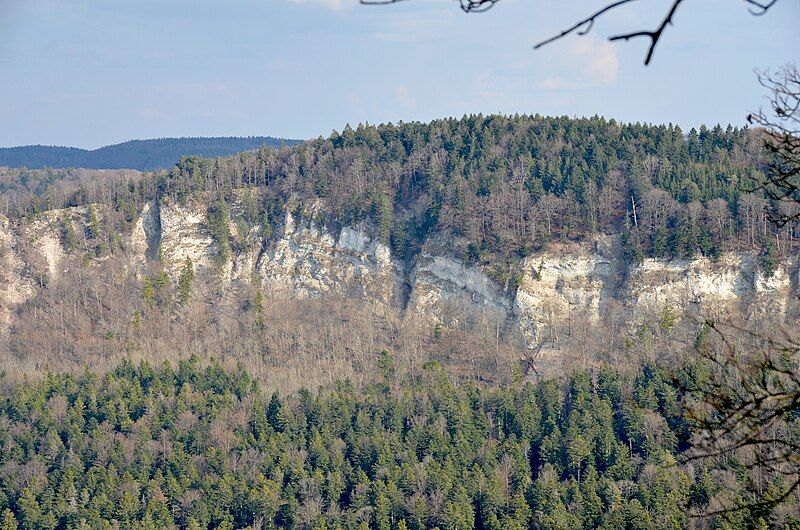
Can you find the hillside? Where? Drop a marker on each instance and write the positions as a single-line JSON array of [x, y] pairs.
[[488, 243], [143, 155], [484, 323]]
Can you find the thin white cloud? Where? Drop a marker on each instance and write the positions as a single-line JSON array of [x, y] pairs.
[[148, 113], [411, 27], [558, 83], [330, 4], [560, 101], [499, 92], [586, 62], [402, 96]]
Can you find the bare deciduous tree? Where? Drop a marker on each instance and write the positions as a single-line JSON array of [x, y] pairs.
[[753, 210], [781, 128], [747, 403]]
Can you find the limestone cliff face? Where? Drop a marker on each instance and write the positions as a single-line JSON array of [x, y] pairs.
[[580, 284], [444, 289], [733, 284], [557, 287], [308, 260], [32, 255], [185, 234], [15, 287], [303, 258]]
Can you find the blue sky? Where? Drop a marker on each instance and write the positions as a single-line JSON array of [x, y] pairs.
[[96, 72]]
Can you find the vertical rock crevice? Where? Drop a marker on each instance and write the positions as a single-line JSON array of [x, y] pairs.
[[151, 224]]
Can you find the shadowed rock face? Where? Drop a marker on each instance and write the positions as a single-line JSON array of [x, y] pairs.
[[305, 259]]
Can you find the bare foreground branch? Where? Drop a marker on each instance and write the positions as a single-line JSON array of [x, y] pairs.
[[654, 36], [744, 403], [781, 127], [585, 25], [467, 6]]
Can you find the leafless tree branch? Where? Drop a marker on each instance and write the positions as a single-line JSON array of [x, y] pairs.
[[781, 129], [582, 27], [585, 25], [467, 6], [747, 403], [759, 8], [655, 35]]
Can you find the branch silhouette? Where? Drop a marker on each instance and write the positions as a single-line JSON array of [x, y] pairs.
[[585, 25], [781, 129], [746, 403]]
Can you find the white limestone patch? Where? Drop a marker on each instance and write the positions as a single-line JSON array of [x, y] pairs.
[[444, 288], [353, 240], [14, 287], [307, 261], [184, 234], [699, 284], [558, 287]]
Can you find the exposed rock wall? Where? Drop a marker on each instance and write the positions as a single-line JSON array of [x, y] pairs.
[[307, 260], [557, 288], [185, 234], [734, 285], [444, 289], [579, 285], [303, 258], [146, 235], [15, 288]]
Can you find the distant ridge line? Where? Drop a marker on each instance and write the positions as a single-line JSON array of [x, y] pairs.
[[143, 155]]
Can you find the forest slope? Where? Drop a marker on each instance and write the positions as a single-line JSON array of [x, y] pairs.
[[201, 447], [478, 242]]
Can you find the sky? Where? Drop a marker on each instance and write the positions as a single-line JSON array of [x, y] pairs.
[[97, 72]]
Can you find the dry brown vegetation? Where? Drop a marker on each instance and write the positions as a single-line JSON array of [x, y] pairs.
[[99, 314]]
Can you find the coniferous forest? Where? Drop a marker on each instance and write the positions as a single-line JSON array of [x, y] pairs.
[[196, 446], [142, 155]]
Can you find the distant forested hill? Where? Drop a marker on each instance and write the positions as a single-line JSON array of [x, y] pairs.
[[144, 155]]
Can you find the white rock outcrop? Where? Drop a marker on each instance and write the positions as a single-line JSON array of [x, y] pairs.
[[184, 234], [15, 288], [307, 260], [304, 258], [442, 288], [558, 288]]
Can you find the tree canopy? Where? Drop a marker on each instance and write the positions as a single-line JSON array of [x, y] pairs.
[[197, 446]]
